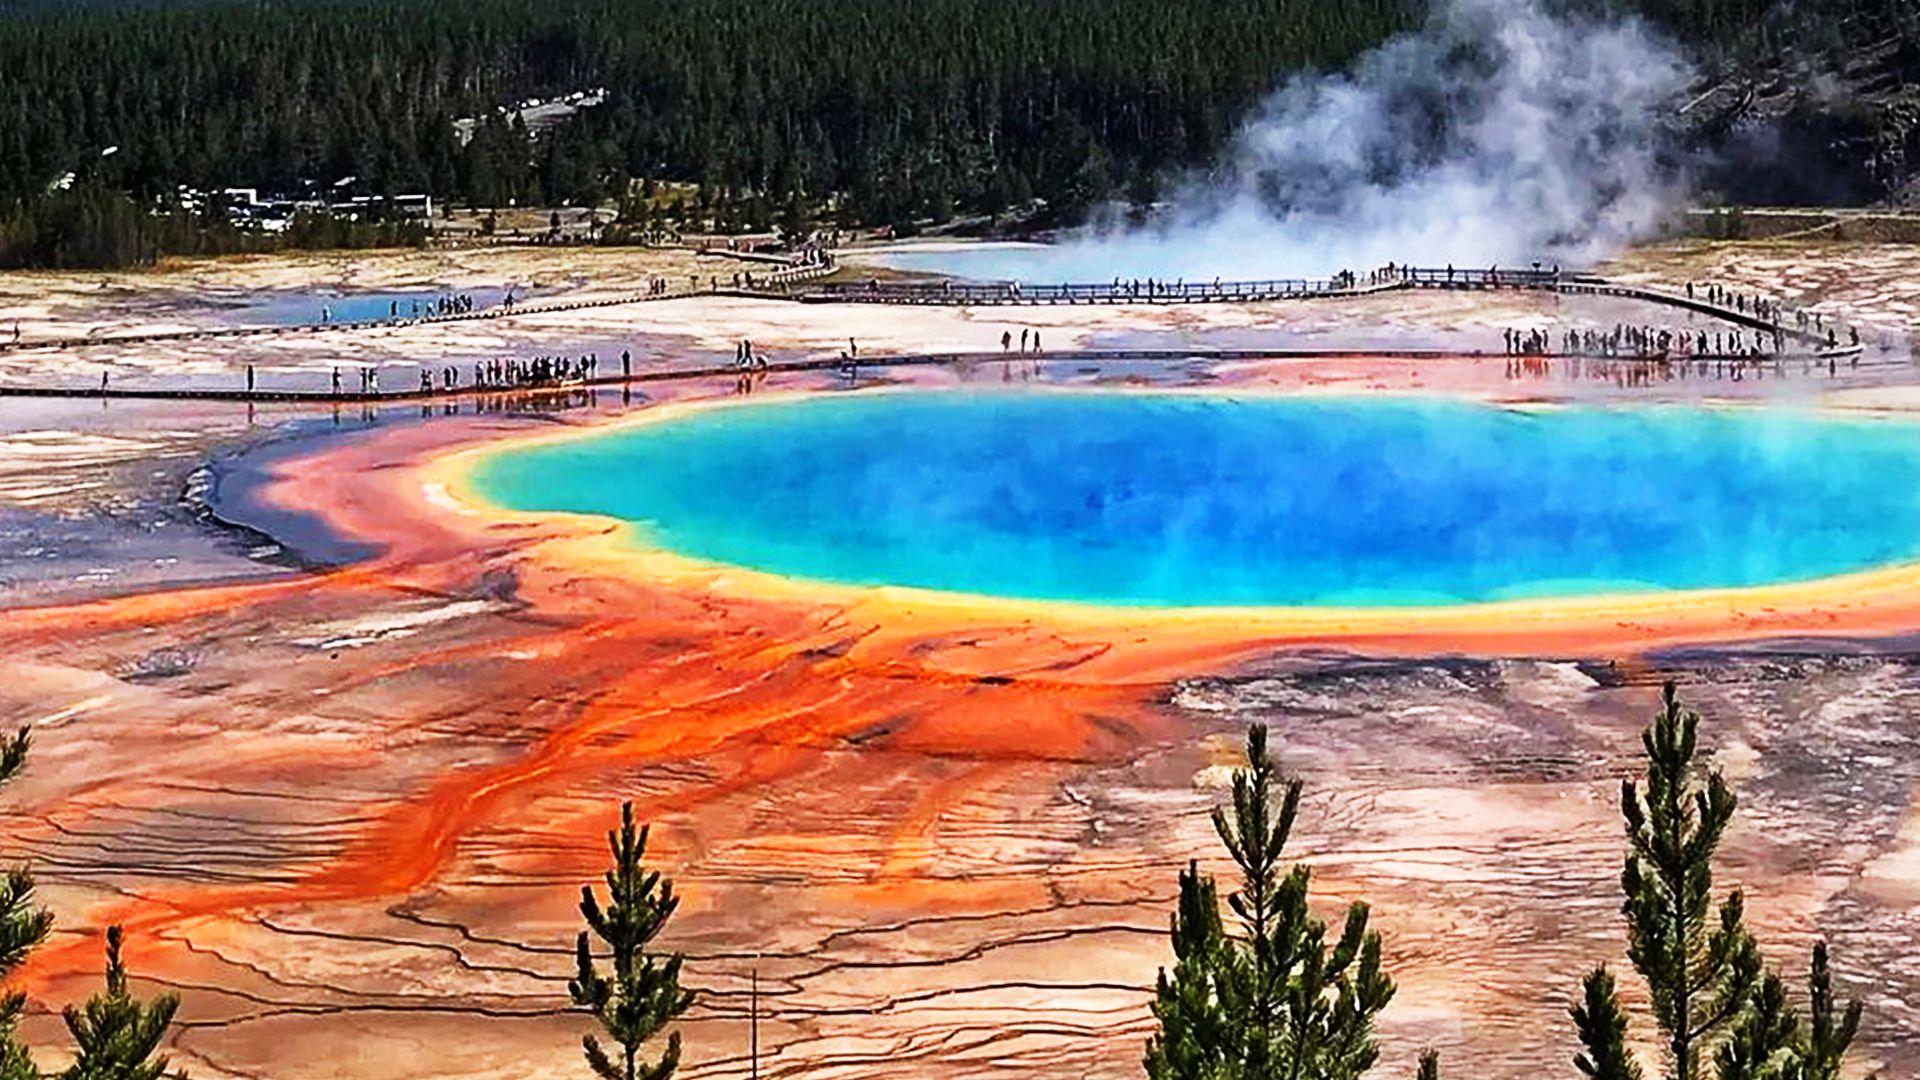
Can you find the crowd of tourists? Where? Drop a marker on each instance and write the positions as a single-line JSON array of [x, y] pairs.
[[536, 371], [1631, 340]]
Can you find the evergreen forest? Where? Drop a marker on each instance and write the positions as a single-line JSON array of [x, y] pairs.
[[875, 113]]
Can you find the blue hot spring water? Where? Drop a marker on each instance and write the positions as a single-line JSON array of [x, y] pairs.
[[1207, 500]]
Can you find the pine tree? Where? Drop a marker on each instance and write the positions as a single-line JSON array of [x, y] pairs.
[[115, 1035], [1602, 1024], [1700, 970], [1762, 1046], [1711, 995], [643, 995], [1827, 1039], [22, 927], [1276, 1001], [1193, 1041]]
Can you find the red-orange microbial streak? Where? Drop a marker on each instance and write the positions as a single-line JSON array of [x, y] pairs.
[[628, 674], [72, 621], [754, 694]]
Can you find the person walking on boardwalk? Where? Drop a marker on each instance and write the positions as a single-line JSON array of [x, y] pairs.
[[249, 378], [1006, 341], [336, 382], [1023, 339], [626, 364]]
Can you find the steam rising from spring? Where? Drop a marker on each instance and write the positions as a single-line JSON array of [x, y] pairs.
[[1498, 133]]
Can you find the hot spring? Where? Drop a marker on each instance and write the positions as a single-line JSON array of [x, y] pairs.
[[1213, 500], [337, 306]]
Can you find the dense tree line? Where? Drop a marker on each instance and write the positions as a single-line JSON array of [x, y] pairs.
[[777, 109], [901, 108], [98, 228]]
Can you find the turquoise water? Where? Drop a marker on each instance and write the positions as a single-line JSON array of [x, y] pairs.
[[1193, 500]]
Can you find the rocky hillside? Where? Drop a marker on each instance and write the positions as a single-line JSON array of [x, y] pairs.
[[1828, 116]]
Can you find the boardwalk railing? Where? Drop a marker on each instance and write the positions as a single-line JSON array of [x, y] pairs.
[[795, 280], [1155, 291], [780, 279], [850, 369], [1127, 292]]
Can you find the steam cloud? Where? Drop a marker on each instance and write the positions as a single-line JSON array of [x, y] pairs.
[[1499, 133]]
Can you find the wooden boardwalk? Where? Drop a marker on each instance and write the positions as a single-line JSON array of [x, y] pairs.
[[868, 363], [778, 279], [964, 294], [796, 283]]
